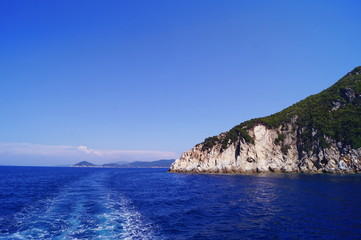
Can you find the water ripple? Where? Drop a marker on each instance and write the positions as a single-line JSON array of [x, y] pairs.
[[85, 209]]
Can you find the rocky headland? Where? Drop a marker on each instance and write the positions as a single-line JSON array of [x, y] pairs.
[[320, 134]]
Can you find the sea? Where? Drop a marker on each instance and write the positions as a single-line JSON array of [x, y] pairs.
[[118, 203]]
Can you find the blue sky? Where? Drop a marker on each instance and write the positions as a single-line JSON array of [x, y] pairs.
[[144, 80]]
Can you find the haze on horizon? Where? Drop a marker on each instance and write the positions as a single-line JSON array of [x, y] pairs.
[[107, 81]]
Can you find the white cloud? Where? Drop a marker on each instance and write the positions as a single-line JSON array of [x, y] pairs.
[[87, 150], [72, 154]]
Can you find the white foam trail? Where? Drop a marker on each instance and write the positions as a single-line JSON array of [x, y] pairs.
[[134, 225], [69, 215]]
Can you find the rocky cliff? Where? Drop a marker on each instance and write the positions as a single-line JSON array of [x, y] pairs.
[[321, 133]]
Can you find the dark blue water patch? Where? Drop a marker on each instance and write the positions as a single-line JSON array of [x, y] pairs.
[[267, 206], [92, 203]]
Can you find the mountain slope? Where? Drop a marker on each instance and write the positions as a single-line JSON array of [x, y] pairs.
[[84, 164], [321, 133], [111, 165]]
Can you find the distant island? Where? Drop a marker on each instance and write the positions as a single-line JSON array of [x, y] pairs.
[[164, 163], [320, 134], [84, 164]]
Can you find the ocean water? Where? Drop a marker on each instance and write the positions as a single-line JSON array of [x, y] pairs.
[[95, 203]]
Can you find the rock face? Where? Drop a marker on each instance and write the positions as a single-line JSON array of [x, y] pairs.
[[264, 155], [292, 142]]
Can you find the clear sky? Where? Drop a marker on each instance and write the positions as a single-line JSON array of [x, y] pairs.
[[144, 80]]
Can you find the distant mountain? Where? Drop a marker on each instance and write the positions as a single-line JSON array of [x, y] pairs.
[[164, 163], [85, 164], [119, 162], [111, 165]]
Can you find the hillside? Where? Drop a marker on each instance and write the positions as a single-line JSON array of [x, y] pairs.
[[111, 165], [321, 133], [84, 164]]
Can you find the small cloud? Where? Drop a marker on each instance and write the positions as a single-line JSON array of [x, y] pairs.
[[87, 150], [73, 154]]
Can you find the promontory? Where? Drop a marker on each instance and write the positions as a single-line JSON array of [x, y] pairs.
[[320, 134]]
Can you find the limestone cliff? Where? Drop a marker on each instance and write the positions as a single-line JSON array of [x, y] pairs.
[[319, 134]]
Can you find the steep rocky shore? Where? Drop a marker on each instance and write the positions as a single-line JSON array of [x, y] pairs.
[[321, 134]]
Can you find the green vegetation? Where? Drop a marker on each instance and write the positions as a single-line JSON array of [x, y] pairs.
[[210, 142], [234, 134], [315, 112], [316, 116], [280, 138], [231, 136]]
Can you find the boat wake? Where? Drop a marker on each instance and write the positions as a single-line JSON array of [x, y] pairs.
[[85, 209]]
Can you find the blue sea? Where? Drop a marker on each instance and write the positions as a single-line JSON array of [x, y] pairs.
[[97, 203]]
